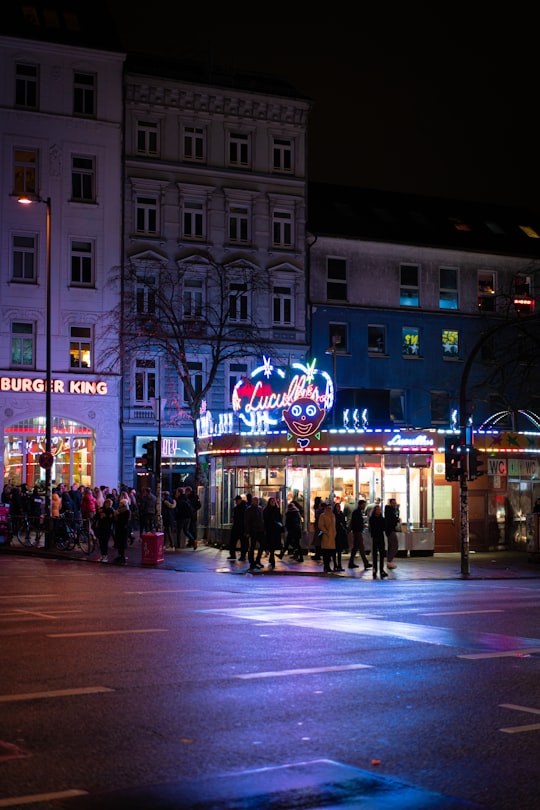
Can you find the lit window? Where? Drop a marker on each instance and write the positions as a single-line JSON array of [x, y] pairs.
[[486, 291], [410, 342], [450, 343], [22, 345], [80, 347], [448, 288]]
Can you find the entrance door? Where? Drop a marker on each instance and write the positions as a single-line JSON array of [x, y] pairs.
[[447, 524]]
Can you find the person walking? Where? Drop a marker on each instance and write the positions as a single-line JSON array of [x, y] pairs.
[[391, 522], [121, 523], [168, 507], [238, 530], [273, 529], [376, 529], [103, 528], [318, 509], [254, 526], [148, 510], [342, 536], [195, 503], [293, 527], [183, 517], [358, 529], [88, 505], [327, 527]]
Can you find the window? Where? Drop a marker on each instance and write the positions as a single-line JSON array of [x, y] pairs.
[[145, 381], [239, 309], [408, 289], [26, 86], [448, 288], [196, 379], [146, 215], [282, 306], [193, 299], [25, 179], [336, 279], [145, 295], [486, 291], [80, 347], [410, 341], [83, 179], [236, 373], [82, 263], [239, 149], [24, 258], [194, 144], [282, 155], [238, 223], [376, 339], [194, 220], [522, 295], [282, 228], [147, 138], [440, 408], [338, 335], [84, 94], [450, 343], [22, 345]]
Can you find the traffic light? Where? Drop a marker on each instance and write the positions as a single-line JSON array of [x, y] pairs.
[[149, 456], [454, 458], [476, 464]]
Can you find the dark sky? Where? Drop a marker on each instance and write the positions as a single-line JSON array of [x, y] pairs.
[[440, 101]]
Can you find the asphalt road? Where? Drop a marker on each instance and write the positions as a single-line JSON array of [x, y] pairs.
[[128, 687]]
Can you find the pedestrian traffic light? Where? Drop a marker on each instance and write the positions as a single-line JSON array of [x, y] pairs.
[[149, 456], [476, 464], [454, 458]]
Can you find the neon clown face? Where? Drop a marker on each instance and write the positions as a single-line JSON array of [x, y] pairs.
[[304, 416]]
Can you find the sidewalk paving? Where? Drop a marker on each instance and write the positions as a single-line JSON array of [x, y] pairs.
[[482, 565]]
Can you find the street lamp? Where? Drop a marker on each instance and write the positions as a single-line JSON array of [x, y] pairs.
[[336, 340], [46, 458]]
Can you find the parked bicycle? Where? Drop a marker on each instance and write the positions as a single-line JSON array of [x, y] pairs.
[[28, 529], [69, 532]]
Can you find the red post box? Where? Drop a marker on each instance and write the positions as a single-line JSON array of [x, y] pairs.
[[152, 548]]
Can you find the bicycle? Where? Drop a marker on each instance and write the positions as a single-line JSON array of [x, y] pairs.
[[69, 532], [27, 529]]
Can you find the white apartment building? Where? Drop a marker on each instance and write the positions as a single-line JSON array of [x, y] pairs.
[[61, 135]]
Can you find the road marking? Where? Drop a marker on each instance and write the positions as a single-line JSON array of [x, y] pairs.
[[504, 654], [459, 612], [106, 633], [17, 801], [312, 670], [83, 690], [518, 729]]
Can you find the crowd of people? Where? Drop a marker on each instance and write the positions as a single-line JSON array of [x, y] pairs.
[[259, 531]]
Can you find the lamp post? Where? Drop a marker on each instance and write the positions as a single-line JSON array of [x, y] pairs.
[[336, 340], [46, 458]]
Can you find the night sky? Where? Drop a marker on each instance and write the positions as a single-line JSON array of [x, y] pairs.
[[442, 102]]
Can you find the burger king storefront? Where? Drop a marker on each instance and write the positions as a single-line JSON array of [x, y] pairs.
[[84, 430]]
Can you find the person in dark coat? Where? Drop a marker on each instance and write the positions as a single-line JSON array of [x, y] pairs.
[[103, 527], [254, 527], [342, 536], [238, 530], [293, 526], [183, 517], [376, 530], [273, 528], [358, 527]]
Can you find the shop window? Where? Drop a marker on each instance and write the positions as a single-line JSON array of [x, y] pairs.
[[410, 341], [82, 263], [84, 94], [486, 291], [195, 144], [194, 219], [450, 343], [147, 138], [376, 339], [146, 215], [440, 408], [80, 347], [336, 279], [26, 86], [448, 288], [145, 381], [83, 179], [24, 258], [25, 172], [282, 155], [282, 306], [409, 293], [22, 345]]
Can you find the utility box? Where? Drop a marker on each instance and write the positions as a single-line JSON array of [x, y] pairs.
[[152, 548]]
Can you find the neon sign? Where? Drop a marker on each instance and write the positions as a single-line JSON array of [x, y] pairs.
[[29, 385]]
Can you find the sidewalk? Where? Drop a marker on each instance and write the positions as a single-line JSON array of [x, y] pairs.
[[482, 565]]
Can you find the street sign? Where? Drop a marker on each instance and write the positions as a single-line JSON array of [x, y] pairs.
[[46, 460]]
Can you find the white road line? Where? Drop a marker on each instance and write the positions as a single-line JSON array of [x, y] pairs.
[[505, 654], [459, 612], [106, 633], [517, 708], [83, 690], [312, 670], [17, 801], [517, 729]]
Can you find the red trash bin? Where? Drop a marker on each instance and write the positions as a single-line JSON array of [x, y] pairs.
[[152, 548]]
